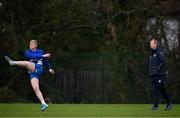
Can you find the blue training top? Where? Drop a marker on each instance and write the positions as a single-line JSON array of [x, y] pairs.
[[36, 57]]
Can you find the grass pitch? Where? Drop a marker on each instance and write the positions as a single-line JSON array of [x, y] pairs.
[[87, 110]]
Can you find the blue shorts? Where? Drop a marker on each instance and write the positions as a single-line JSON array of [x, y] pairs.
[[38, 71]]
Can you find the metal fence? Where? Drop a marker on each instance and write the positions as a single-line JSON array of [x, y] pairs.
[[80, 78]]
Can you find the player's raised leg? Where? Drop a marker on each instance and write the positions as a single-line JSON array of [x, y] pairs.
[[35, 86], [29, 65]]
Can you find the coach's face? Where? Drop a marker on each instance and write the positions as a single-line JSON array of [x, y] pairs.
[[33, 45], [153, 44]]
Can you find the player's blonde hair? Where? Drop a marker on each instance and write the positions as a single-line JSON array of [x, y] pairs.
[[34, 41]]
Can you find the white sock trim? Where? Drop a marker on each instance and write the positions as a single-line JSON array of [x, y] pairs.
[[43, 102]]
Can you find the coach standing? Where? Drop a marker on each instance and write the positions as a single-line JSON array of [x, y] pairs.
[[157, 75]]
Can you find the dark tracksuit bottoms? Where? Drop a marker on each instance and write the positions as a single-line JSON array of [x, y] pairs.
[[158, 86]]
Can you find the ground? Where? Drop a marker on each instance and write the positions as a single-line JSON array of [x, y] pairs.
[[87, 110]]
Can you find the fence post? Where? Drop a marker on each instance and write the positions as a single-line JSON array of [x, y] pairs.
[[104, 83]]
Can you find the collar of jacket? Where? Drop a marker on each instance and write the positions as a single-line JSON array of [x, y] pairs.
[[154, 50]]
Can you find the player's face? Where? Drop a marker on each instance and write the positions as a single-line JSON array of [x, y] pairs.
[[33, 45], [153, 45]]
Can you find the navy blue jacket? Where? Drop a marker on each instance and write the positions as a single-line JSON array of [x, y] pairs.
[[36, 57], [157, 62]]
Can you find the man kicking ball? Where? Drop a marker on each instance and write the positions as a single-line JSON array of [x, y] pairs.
[[36, 59]]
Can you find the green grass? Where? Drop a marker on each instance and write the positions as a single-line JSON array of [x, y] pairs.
[[86, 110]]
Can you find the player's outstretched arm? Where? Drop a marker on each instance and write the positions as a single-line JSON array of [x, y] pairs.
[[47, 64], [47, 55]]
